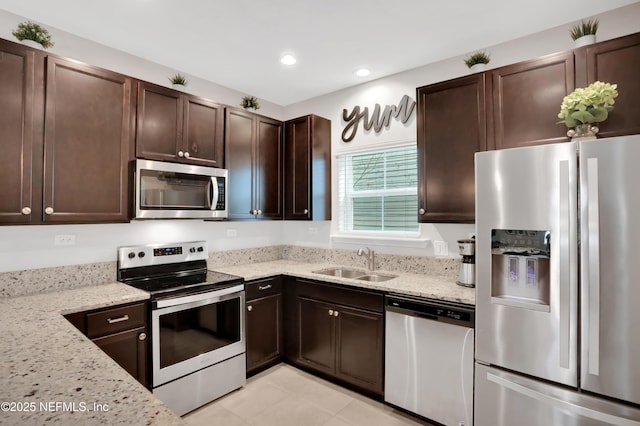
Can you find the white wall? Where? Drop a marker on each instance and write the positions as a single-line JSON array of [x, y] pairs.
[[24, 247], [389, 90]]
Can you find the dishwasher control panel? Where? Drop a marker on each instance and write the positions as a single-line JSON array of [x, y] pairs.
[[459, 314]]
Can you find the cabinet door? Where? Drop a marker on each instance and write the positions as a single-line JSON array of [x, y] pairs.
[[526, 101], [615, 61], [203, 132], [159, 122], [129, 350], [316, 335], [86, 145], [264, 331], [359, 348], [239, 134], [297, 166], [268, 168], [18, 88], [451, 129]]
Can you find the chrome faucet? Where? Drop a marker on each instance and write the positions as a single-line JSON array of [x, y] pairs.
[[370, 255]]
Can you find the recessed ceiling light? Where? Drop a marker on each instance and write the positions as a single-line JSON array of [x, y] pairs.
[[362, 72], [288, 59]]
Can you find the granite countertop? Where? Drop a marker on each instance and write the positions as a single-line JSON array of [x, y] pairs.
[[430, 286], [52, 373]]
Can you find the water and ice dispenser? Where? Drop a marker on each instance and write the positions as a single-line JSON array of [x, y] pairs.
[[520, 268]]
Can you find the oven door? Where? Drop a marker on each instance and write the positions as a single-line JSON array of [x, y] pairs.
[[196, 331]]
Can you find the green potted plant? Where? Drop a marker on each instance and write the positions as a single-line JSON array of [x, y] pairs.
[[478, 61], [33, 35], [584, 33], [585, 106], [179, 81], [250, 102]]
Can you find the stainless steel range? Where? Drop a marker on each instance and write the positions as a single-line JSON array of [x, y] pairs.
[[197, 322]]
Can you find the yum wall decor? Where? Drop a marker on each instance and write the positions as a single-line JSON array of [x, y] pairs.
[[378, 120]]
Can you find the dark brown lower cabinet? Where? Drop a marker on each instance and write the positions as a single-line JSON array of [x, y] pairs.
[[264, 324], [121, 332], [338, 332]]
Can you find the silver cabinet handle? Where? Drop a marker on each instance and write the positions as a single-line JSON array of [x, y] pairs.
[[264, 287], [593, 275], [306, 211], [335, 313], [180, 154], [259, 211], [115, 320], [422, 211], [26, 210], [186, 155], [48, 210], [142, 336], [330, 312], [249, 308]]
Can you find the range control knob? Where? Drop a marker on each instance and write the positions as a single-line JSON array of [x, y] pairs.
[[131, 255], [141, 254], [192, 250], [200, 249]]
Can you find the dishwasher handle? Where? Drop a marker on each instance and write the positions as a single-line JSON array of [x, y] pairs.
[[434, 310]]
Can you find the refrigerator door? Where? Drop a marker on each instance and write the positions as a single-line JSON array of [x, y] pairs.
[[505, 399], [610, 252], [526, 306]]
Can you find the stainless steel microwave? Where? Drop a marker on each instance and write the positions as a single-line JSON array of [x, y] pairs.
[[179, 191]]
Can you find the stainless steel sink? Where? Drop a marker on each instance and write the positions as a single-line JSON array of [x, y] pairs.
[[355, 274]]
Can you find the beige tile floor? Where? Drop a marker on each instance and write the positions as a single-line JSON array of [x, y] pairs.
[[286, 396]]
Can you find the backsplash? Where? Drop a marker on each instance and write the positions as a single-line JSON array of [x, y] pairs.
[[42, 280]]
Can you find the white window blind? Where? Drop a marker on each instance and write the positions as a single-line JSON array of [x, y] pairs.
[[378, 192]]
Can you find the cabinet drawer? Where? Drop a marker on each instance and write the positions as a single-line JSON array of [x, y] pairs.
[[114, 320], [341, 295], [262, 288]]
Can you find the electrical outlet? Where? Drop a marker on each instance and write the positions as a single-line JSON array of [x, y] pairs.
[[313, 230], [64, 240], [232, 232], [440, 248]]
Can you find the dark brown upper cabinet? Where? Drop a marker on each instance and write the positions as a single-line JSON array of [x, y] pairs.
[[525, 101], [451, 129], [614, 61], [21, 106], [254, 157], [87, 139], [175, 126], [307, 168]]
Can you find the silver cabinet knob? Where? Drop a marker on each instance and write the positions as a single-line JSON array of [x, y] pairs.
[[335, 313], [330, 312], [422, 211], [306, 211], [48, 210], [180, 154], [186, 155], [259, 211], [249, 308], [142, 336], [26, 210], [254, 211]]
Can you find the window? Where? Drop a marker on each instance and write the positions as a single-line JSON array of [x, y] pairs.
[[378, 192]]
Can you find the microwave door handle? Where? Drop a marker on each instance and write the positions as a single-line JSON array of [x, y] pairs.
[[212, 193]]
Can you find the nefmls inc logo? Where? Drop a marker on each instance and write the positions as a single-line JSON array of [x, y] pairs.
[[378, 119]]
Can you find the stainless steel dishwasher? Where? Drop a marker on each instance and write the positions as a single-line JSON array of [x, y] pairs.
[[429, 358]]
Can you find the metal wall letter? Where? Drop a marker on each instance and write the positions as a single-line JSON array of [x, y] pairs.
[[402, 111]]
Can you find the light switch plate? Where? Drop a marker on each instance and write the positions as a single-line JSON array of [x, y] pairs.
[[232, 232], [64, 240]]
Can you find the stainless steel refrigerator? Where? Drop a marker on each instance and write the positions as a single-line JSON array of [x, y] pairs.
[[558, 284]]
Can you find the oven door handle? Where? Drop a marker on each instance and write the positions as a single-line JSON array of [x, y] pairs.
[[209, 296]]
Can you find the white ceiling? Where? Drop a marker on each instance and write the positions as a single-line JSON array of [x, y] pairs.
[[238, 43]]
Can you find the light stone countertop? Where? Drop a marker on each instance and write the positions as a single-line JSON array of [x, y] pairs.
[[45, 359], [430, 286]]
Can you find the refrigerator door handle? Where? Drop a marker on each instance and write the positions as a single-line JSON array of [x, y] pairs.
[[564, 251], [593, 275], [561, 404]]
